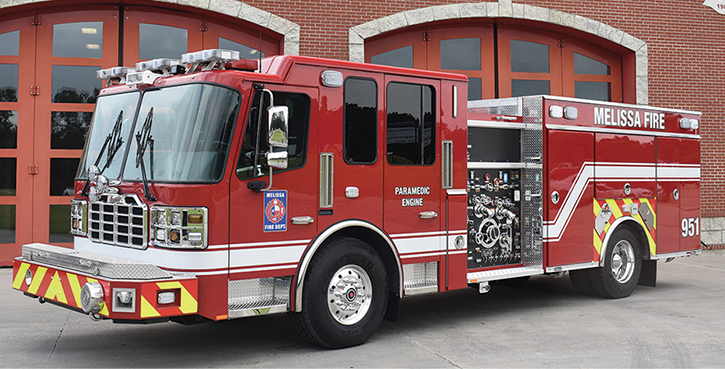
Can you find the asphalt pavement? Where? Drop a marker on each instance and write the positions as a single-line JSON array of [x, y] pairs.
[[545, 323]]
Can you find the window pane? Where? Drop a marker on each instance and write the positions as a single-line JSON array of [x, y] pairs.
[[402, 57], [461, 54], [361, 121], [593, 90], [157, 41], [245, 52], [7, 223], [529, 57], [62, 173], [299, 119], [75, 84], [8, 180], [410, 124], [60, 224], [587, 65], [474, 89], [8, 82], [10, 43], [526, 87], [78, 40], [8, 129], [68, 129]]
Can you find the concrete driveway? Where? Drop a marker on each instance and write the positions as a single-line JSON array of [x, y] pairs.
[[545, 323]]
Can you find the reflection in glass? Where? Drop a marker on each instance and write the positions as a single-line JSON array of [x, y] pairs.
[[59, 224], [245, 52], [587, 65], [474, 89], [529, 57], [8, 129], [78, 40], [75, 84], [7, 223], [108, 110], [461, 54], [190, 141], [68, 129], [8, 82], [593, 90], [157, 41], [361, 121], [8, 176], [411, 124], [62, 173], [402, 57], [527, 87], [10, 43]]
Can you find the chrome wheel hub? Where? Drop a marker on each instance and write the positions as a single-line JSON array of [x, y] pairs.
[[623, 262], [349, 294]]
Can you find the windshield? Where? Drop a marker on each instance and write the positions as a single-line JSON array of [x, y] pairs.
[[104, 143], [184, 132]]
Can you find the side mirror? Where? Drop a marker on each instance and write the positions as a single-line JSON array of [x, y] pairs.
[[278, 126], [277, 159]]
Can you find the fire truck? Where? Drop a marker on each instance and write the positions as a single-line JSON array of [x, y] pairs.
[[214, 188]]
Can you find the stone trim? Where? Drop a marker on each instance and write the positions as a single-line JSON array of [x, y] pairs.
[[233, 8], [503, 9]]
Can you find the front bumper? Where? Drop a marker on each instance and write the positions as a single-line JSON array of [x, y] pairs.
[[131, 289]]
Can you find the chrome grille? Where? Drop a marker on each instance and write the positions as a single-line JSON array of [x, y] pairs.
[[118, 220]]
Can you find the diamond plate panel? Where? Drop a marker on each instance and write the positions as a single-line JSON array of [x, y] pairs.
[[420, 275], [93, 264], [259, 293], [532, 209]]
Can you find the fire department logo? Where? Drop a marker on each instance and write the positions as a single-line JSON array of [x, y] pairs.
[[275, 211]]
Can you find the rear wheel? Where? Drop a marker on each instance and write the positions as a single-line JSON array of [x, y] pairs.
[[622, 266], [344, 295]]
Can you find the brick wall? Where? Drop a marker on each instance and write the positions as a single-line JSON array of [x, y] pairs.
[[686, 57]]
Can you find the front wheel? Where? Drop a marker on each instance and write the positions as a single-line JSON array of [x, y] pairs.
[[622, 266], [344, 296]]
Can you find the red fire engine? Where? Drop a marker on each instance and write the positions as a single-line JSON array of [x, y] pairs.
[[214, 188]]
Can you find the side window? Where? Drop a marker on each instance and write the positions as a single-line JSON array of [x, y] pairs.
[[361, 121], [411, 124], [255, 136]]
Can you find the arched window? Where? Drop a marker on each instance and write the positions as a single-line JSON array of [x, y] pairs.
[[503, 60]]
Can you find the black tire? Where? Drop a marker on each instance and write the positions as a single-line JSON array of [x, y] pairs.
[[349, 318], [581, 280], [511, 282], [622, 266]]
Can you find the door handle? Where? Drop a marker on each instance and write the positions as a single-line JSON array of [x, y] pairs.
[[303, 220], [428, 215]]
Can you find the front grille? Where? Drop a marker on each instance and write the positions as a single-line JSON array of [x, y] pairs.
[[118, 220]]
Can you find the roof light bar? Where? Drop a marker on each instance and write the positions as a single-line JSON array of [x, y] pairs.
[[209, 59], [115, 74], [157, 65]]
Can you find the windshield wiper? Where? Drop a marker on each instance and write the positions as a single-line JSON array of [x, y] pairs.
[[116, 141], [143, 140]]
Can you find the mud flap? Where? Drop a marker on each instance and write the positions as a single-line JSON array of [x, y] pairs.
[[648, 276]]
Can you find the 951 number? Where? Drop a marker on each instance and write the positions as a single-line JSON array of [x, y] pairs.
[[690, 227]]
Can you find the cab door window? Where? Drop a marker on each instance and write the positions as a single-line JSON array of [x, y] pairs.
[[361, 121], [252, 159], [410, 124]]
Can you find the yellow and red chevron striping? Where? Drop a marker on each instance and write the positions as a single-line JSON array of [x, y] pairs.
[[65, 288], [617, 208]]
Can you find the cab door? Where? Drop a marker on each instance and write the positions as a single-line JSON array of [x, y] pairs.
[[351, 156], [271, 223], [412, 168]]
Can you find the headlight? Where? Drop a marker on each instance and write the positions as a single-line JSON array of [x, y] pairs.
[[178, 227], [78, 217]]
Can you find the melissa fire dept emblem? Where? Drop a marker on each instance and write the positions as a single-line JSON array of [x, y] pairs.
[[275, 211]]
